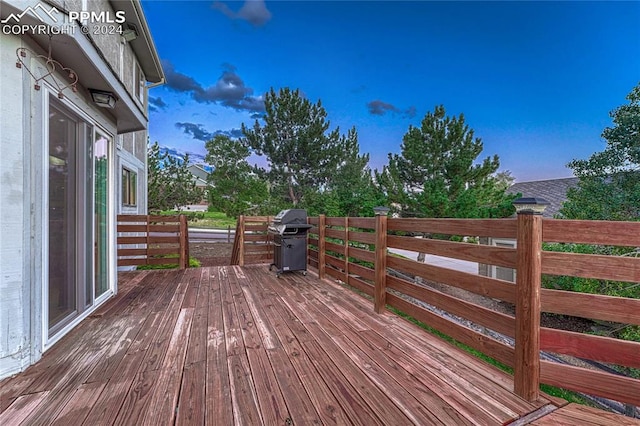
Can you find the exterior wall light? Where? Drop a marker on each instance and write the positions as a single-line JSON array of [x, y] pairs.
[[381, 210], [103, 99], [129, 35], [530, 205]]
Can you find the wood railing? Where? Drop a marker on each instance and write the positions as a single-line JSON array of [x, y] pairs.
[[252, 243], [153, 240], [355, 251]]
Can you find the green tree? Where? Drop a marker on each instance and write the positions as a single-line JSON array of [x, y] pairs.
[[437, 174], [235, 186], [301, 152], [608, 189], [170, 183], [351, 190], [609, 186]]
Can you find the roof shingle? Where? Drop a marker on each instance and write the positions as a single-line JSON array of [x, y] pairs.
[[552, 190]]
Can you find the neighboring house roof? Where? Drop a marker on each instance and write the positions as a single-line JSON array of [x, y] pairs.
[[200, 175], [552, 190], [198, 171]]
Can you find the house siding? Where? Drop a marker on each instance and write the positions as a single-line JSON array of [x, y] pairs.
[[23, 201], [23, 183], [108, 44], [14, 337]]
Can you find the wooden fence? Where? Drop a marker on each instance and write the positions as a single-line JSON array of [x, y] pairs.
[[153, 240], [355, 251], [252, 243]]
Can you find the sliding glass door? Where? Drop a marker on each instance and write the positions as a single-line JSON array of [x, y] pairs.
[[78, 223], [101, 205], [63, 210]]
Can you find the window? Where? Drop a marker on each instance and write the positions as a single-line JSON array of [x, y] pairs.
[[138, 82], [129, 188], [500, 272]]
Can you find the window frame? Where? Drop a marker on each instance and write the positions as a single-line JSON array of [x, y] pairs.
[[129, 187]]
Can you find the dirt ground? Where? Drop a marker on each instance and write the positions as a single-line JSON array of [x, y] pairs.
[[211, 254]]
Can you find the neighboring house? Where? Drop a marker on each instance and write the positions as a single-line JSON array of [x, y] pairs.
[[200, 176], [73, 136], [554, 191]]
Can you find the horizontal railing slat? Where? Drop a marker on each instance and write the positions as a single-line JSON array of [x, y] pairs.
[[362, 222], [148, 239], [599, 232], [602, 267], [493, 320], [334, 247], [255, 228], [597, 348], [338, 275], [334, 221], [619, 388], [257, 237], [153, 251], [360, 254], [361, 285], [478, 284], [491, 255], [594, 306], [362, 237], [335, 233], [497, 228], [491, 347], [364, 272], [334, 261]]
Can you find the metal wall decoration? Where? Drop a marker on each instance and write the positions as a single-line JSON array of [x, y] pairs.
[[51, 67]]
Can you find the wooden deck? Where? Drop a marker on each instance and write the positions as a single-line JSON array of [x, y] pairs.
[[231, 345]]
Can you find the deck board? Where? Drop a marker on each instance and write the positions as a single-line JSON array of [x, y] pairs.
[[231, 345]]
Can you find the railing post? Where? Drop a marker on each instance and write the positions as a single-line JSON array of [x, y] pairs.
[[148, 243], [528, 278], [380, 285], [184, 242], [240, 239], [346, 250], [322, 227]]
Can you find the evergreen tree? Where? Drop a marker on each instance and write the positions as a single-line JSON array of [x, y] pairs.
[[351, 188], [170, 183], [609, 187], [436, 173], [235, 186], [301, 152]]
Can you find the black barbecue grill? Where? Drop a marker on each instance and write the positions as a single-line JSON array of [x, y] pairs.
[[289, 229]]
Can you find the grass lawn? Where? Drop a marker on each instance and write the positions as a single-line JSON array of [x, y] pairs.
[[210, 220]]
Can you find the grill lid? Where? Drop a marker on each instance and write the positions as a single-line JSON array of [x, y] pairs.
[[290, 222], [289, 229], [291, 216]]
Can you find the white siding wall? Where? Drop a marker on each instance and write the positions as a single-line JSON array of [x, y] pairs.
[[23, 197], [23, 204], [14, 338]]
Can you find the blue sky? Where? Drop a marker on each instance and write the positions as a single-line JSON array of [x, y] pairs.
[[535, 80]]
